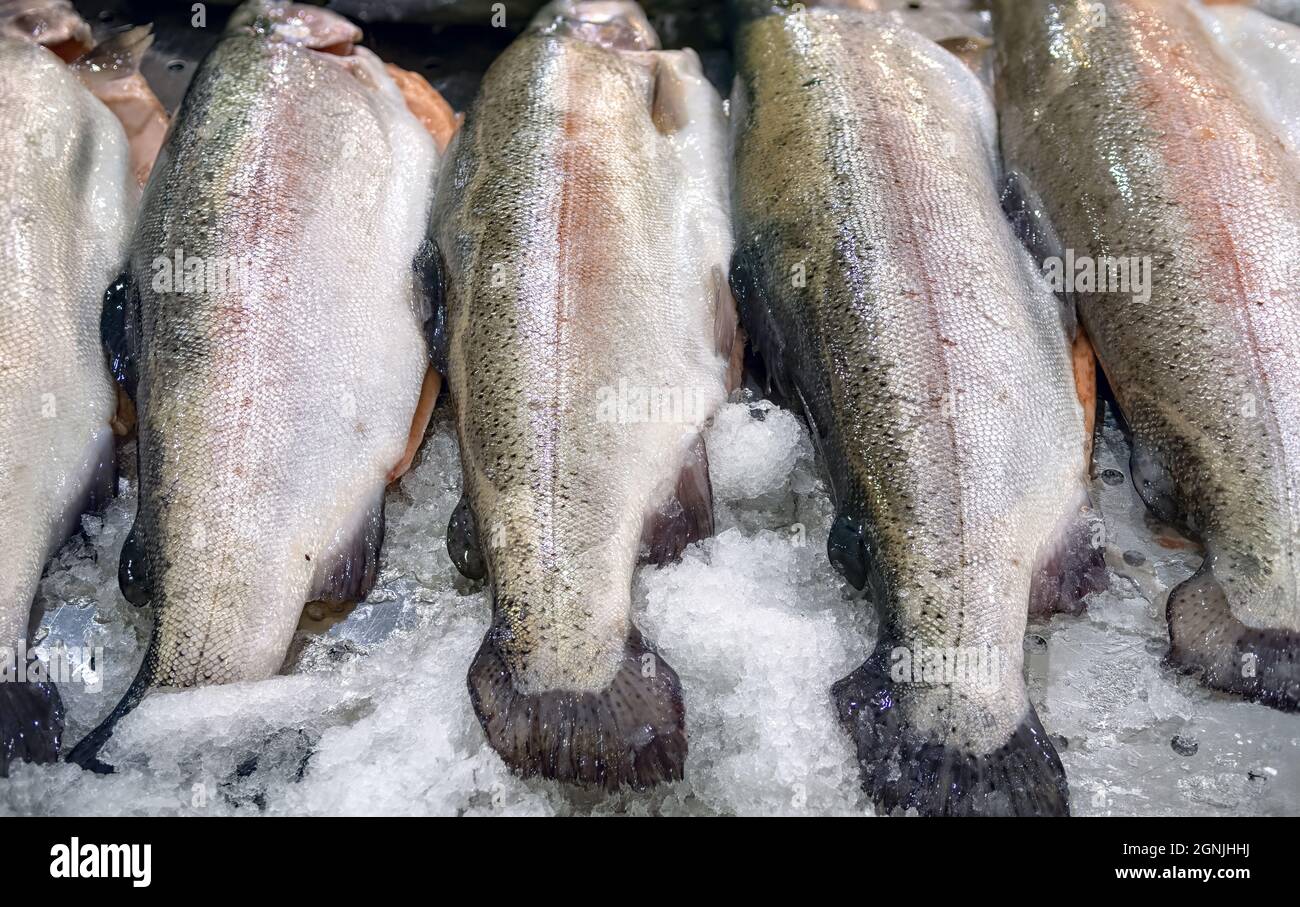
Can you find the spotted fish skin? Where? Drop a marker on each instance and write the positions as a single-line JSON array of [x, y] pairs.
[[66, 203], [584, 223], [1129, 124], [273, 326], [888, 295]]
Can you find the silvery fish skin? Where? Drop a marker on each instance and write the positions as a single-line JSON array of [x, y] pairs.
[[1266, 53], [271, 328], [584, 221], [1138, 140], [888, 295], [66, 203]]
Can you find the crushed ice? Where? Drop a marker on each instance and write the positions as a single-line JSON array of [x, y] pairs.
[[376, 719]]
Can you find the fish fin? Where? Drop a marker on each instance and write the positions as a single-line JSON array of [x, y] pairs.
[[728, 336], [427, 105], [1206, 638], [669, 107], [346, 572], [86, 752], [1084, 360], [124, 418], [431, 287], [119, 332], [419, 422], [686, 517], [631, 733], [111, 70], [1027, 214], [132, 573], [973, 50], [746, 281], [1152, 480], [463, 543], [905, 768], [31, 722], [1072, 565], [849, 551]]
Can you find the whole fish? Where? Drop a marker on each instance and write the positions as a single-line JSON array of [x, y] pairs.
[[584, 222], [889, 297], [270, 327], [67, 199], [1128, 124]]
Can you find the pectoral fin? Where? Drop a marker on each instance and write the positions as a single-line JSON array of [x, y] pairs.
[[686, 517]]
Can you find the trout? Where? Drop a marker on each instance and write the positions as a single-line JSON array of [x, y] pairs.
[[1129, 127], [584, 223], [890, 299]]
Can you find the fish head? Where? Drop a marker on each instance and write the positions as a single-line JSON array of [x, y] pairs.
[[297, 24], [614, 24], [50, 23]]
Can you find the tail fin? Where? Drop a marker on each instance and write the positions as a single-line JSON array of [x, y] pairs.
[[31, 723], [1206, 638], [904, 767], [631, 733]]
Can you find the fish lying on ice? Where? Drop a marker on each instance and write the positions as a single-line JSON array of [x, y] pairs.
[[889, 296], [584, 222], [1135, 139], [270, 327], [67, 199]]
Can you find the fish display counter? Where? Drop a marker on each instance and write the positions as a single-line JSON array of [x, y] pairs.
[[589, 408]]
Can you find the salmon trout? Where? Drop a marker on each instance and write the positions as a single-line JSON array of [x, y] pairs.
[[584, 223], [1129, 125], [270, 327], [67, 203], [889, 297]]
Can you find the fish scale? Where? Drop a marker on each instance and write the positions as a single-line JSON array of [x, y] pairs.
[[891, 300], [65, 218], [274, 401], [586, 239], [1140, 142]]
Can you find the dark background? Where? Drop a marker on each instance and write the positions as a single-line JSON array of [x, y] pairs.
[[450, 49]]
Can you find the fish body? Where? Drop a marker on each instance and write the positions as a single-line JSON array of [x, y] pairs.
[[270, 327], [66, 203], [584, 223], [887, 294], [1140, 143]]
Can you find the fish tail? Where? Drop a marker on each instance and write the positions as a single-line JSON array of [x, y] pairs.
[[906, 768], [31, 722], [631, 733], [1259, 664]]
